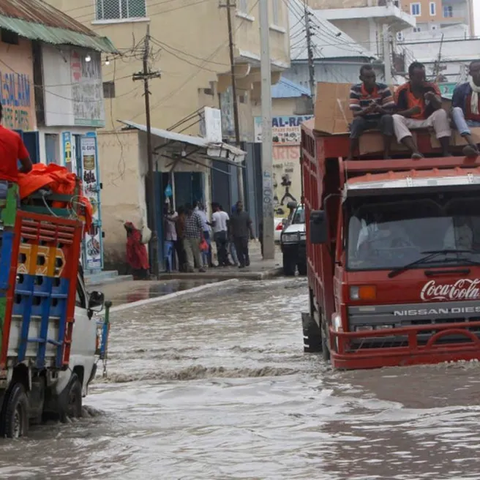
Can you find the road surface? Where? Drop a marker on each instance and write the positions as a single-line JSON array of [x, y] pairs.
[[217, 387]]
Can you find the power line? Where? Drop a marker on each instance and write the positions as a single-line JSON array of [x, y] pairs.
[[189, 79]]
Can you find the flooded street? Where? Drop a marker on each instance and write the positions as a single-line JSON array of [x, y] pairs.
[[218, 387]]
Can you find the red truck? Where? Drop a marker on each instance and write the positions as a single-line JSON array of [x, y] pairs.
[[393, 254]]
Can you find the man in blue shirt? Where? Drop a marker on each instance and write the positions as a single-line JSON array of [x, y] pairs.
[[466, 108]]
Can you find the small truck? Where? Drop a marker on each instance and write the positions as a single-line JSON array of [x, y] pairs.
[[50, 341], [393, 254]]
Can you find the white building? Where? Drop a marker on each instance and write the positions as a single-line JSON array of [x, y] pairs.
[[337, 56], [443, 38]]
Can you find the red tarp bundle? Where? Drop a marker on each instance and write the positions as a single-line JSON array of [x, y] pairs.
[[59, 180]]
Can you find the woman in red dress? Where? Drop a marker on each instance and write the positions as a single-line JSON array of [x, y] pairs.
[[137, 256]]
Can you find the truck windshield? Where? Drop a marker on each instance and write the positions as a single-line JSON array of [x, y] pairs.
[[299, 216], [391, 232]]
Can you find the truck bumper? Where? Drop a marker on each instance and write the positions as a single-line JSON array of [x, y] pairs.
[[296, 250], [448, 343]]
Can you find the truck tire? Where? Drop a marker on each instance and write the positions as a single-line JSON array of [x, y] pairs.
[[312, 335], [70, 401], [302, 269], [289, 265], [14, 417]]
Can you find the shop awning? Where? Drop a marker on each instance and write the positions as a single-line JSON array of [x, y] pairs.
[[214, 151]]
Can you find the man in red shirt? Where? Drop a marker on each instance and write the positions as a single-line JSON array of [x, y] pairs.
[[12, 150], [419, 105]]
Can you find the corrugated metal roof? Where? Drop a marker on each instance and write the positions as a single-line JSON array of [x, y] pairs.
[[287, 89], [327, 40], [220, 151], [36, 20]]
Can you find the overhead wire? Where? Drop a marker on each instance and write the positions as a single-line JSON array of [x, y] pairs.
[[191, 77]]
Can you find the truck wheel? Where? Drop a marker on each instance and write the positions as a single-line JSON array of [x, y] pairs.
[[312, 335], [289, 265], [71, 400], [14, 417], [302, 268]]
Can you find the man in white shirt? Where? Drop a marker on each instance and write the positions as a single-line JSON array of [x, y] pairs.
[[220, 221]]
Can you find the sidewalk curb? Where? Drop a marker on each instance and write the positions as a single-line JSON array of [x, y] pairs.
[[171, 296], [222, 275]]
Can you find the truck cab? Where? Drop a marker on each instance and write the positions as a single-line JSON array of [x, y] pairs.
[[393, 250]]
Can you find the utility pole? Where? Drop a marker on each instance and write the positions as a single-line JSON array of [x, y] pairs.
[[235, 98], [267, 148], [146, 75], [386, 55], [311, 63]]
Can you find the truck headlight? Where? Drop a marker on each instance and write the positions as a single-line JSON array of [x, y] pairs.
[[363, 292], [290, 237]]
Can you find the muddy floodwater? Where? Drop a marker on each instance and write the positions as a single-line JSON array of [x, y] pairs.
[[218, 387]]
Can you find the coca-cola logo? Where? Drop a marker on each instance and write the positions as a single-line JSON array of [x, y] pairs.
[[464, 289]]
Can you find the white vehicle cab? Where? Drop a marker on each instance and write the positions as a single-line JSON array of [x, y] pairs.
[[293, 244]]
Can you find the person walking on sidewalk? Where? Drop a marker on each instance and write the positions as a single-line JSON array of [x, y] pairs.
[[220, 222], [137, 257], [193, 236], [419, 105], [466, 108], [241, 229]]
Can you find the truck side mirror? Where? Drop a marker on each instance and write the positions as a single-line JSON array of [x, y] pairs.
[[318, 227]]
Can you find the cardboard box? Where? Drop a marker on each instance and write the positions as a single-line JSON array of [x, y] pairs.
[[332, 108]]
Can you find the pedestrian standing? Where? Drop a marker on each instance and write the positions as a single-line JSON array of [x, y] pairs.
[[193, 238], [220, 221], [171, 236], [241, 229], [180, 227], [207, 256], [137, 257]]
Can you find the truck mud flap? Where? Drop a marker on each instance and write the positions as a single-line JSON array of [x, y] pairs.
[[312, 335]]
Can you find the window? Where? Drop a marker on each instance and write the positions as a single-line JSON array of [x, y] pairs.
[[121, 9], [275, 12], [108, 89], [242, 6], [417, 29], [447, 11], [416, 9], [433, 9]]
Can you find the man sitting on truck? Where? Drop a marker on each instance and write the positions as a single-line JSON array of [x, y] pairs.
[[419, 105], [372, 105], [466, 108], [12, 149]]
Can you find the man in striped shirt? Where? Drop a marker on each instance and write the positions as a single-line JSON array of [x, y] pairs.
[[372, 105]]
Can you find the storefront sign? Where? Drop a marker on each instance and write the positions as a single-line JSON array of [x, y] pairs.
[[67, 150], [286, 175], [87, 89], [447, 89], [17, 89], [91, 187], [285, 129]]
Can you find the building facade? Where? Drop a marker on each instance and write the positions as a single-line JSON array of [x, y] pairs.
[[189, 48], [443, 38], [437, 14], [52, 95]]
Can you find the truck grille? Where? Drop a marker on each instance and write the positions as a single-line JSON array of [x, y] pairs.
[[401, 315]]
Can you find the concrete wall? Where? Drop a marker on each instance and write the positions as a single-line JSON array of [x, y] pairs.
[[123, 196]]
